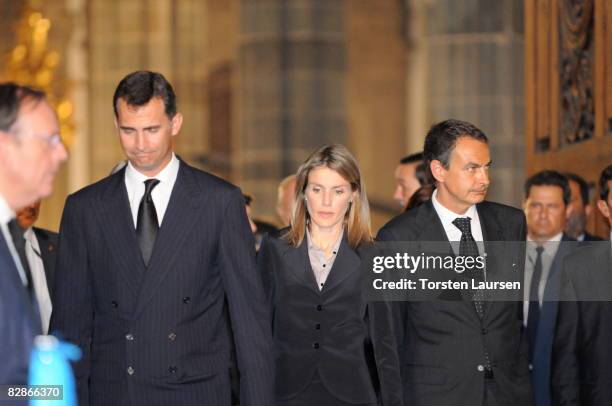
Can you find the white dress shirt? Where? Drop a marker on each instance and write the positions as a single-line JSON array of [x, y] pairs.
[[6, 215], [39, 278], [134, 182], [452, 232], [548, 255]]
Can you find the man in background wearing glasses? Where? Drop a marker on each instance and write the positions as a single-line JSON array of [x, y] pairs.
[[31, 152]]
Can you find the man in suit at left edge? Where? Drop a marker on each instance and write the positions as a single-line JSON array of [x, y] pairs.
[[31, 152], [147, 258]]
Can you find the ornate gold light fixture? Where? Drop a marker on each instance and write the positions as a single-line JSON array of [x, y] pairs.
[[31, 62]]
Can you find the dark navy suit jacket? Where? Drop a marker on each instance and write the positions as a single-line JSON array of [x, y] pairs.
[[542, 353], [19, 322], [160, 335], [582, 360]]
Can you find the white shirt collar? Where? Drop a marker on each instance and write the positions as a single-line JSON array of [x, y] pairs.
[[166, 175], [6, 213], [29, 235], [134, 182], [550, 246], [448, 216], [555, 238]]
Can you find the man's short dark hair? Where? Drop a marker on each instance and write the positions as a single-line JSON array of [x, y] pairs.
[[604, 188], [442, 138], [549, 178], [412, 158], [139, 87], [12, 96], [582, 184]]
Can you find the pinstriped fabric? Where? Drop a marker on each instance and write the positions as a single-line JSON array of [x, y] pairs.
[[160, 336]]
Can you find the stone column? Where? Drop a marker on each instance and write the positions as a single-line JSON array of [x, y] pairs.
[[292, 72], [475, 65]]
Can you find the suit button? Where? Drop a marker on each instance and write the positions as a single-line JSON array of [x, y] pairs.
[[318, 326], [319, 308], [130, 370], [484, 330], [315, 346], [531, 367], [114, 304], [186, 299], [129, 337], [171, 336], [480, 368], [172, 370]]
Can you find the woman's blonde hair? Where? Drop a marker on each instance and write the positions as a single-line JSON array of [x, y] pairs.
[[357, 219]]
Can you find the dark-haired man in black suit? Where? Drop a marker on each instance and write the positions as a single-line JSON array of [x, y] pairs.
[[582, 352], [147, 260], [547, 195], [460, 352]]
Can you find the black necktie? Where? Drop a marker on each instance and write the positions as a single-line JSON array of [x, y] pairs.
[[17, 235], [467, 245], [533, 315], [469, 248], [146, 223]]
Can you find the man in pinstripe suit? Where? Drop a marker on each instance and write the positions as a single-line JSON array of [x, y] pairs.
[[148, 260]]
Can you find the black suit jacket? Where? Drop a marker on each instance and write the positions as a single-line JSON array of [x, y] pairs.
[[332, 331], [159, 335], [19, 323], [442, 342], [591, 237], [544, 336], [47, 242], [582, 352]]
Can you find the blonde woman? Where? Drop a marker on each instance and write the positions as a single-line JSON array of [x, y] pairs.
[[331, 347]]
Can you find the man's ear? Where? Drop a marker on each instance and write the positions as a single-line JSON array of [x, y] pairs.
[[437, 170], [177, 123], [603, 208]]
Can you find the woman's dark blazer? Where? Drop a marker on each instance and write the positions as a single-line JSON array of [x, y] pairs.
[[333, 331]]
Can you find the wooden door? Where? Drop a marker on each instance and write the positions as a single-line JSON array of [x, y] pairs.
[[568, 79]]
